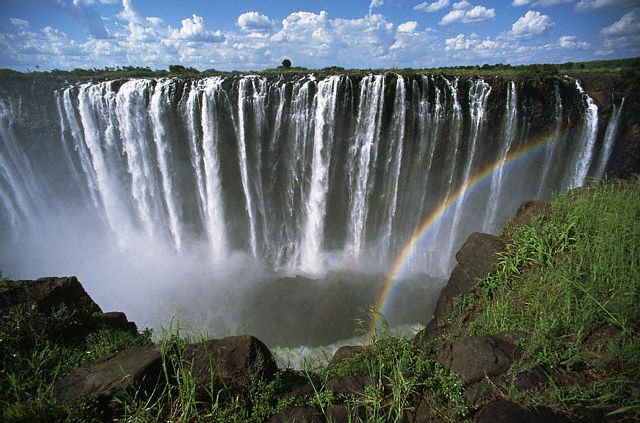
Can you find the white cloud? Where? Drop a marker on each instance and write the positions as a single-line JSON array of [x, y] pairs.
[[589, 5], [255, 23], [461, 5], [629, 24], [431, 7], [571, 42], [539, 2], [408, 26], [153, 20], [374, 4], [194, 29], [475, 14], [532, 24], [20, 23], [475, 46]]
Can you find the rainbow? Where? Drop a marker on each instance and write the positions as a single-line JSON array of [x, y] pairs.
[[396, 269]]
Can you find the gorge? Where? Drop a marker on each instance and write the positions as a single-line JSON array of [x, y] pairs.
[[271, 204]]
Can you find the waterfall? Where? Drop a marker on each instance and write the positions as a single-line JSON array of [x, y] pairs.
[[298, 175], [509, 131], [159, 117], [584, 153], [549, 148], [211, 197], [609, 138], [478, 94], [315, 204], [363, 155]]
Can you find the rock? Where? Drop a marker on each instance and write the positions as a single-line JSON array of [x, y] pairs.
[[528, 210], [49, 294], [344, 353], [118, 320], [341, 413], [137, 368], [478, 254], [503, 411], [80, 314], [476, 259], [475, 357], [459, 283], [599, 337], [298, 415], [347, 385], [229, 362], [294, 385]]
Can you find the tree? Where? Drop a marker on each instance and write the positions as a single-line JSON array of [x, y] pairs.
[[286, 63]]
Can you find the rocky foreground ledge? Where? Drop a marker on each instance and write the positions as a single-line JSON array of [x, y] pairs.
[[453, 375]]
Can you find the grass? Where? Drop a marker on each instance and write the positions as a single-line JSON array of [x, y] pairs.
[[564, 275]]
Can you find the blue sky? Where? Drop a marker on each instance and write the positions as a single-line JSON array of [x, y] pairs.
[[246, 35]]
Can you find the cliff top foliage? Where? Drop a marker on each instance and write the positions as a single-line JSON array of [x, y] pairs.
[[624, 67]]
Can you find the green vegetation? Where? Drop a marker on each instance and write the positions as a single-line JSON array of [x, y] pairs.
[[570, 279], [30, 363], [624, 67]]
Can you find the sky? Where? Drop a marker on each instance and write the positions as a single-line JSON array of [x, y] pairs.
[[258, 34]]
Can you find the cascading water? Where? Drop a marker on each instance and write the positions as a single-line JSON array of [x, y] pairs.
[[508, 133], [213, 179]]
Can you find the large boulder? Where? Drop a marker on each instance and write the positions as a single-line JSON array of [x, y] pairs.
[[137, 368], [475, 357], [503, 411], [343, 353], [48, 294], [231, 362], [477, 257], [64, 309]]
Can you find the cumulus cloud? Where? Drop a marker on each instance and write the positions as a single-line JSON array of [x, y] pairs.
[[589, 5], [475, 14], [532, 24], [487, 47], [461, 5], [539, 2], [374, 4], [571, 42], [153, 20], [255, 23], [20, 23], [408, 26], [431, 7], [194, 29]]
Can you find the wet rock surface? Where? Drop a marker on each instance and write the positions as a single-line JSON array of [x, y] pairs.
[[231, 362], [133, 368]]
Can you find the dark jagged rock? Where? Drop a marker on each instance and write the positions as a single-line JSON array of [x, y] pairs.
[[137, 368], [475, 357], [65, 307], [528, 210], [229, 362], [118, 320], [298, 415], [344, 353], [476, 259], [347, 385], [48, 294], [503, 411], [478, 254], [341, 413]]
